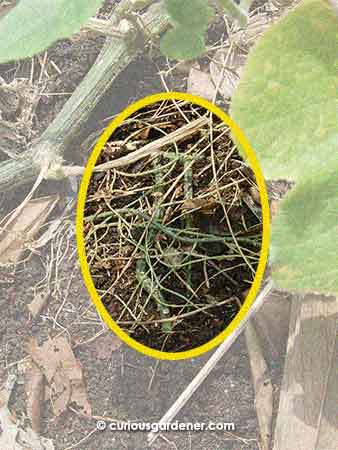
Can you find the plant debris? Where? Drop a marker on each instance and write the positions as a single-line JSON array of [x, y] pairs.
[[173, 238], [21, 227], [63, 372], [38, 303], [35, 390], [13, 436]]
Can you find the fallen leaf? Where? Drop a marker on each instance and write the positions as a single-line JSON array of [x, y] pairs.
[[254, 192], [60, 392], [34, 386], [63, 373], [206, 206], [200, 83], [23, 228], [106, 344], [38, 303], [79, 395], [13, 437], [49, 234]]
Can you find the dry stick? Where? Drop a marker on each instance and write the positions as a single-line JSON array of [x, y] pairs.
[[211, 363], [147, 150], [115, 56], [155, 146]]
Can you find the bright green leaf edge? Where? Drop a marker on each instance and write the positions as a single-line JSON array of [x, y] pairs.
[[304, 245], [286, 104], [33, 25], [286, 101]]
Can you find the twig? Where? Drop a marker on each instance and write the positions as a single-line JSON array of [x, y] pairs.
[[81, 441], [181, 316], [211, 363], [155, 146]]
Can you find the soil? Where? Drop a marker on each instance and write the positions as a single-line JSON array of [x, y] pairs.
[[126, 253], [125, 384]]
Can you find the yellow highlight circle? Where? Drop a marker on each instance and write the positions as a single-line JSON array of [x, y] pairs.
[[250, 154]]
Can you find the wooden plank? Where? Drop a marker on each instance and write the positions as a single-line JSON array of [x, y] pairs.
[[262, 385], [312, 336], [272, 325], [328, 425]]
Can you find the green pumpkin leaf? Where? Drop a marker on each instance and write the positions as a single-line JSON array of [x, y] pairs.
[[33, 25], [180, 43], [286, 100], [304, 247], [286, 105], [195, 14]]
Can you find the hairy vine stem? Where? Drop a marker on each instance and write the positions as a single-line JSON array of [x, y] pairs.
[[115, 56]]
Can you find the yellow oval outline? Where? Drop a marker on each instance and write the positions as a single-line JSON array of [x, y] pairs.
[[254, 164]]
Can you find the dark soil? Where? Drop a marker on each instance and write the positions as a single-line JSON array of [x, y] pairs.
[[215, 202]]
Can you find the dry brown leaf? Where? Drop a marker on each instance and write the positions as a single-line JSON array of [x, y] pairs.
[[35, 389], [206, 206], [13, 437], [79, 395], [106, 344], [144, 134], [200, 83], [262, 386], [254, 192], [20, 231], [38, 303], [60, 392], [63, 373], [49, 234]]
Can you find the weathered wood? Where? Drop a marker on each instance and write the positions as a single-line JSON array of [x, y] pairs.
[[272, 325], [115, 56], [328, 425], [312, 336], [262, 385]]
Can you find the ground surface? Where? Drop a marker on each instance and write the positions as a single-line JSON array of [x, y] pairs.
[[201, 260], [121, 384]]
